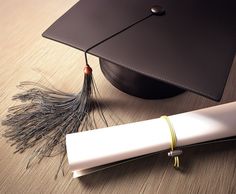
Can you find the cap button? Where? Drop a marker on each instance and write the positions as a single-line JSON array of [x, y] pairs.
[[158, 10]]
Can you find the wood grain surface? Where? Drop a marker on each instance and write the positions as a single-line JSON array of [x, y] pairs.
[[25, 55]]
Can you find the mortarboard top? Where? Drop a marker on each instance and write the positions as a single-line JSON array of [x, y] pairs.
[[188, 46]]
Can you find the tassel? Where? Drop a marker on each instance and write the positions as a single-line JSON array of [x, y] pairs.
[[47, 115]]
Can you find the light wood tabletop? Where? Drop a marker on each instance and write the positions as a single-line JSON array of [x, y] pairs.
[[26, 55]]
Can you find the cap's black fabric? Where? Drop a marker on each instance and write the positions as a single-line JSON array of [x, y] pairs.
[[91, 21], [191, 46]]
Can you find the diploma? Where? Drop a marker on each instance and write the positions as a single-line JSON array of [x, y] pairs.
[[90, 149]]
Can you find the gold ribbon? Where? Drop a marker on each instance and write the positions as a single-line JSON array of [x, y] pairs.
[[173, 153]]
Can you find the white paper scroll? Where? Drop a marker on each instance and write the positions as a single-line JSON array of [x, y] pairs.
[[86, 150]]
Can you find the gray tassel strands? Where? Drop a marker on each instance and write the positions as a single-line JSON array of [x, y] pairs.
[[47, 115]]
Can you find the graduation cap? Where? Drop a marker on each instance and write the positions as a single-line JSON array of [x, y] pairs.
[[155, 48], [147, 48]]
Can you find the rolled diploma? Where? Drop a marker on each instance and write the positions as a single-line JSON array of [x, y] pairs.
[[102, 146]]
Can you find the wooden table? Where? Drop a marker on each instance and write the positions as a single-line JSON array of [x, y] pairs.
[[25, 55]]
